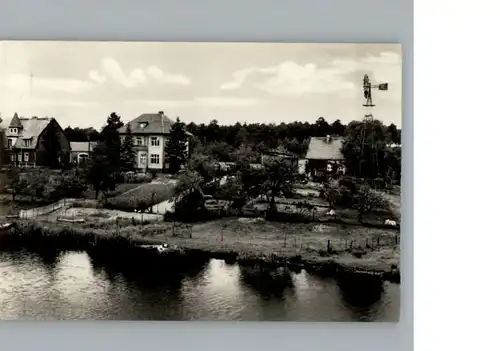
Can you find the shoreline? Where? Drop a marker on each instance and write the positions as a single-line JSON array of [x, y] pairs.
[[129, 244]]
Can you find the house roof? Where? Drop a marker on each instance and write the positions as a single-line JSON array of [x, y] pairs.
[[15, 122], [82, 146], [280, 151], [31, 128], [154, 123], [325, 148]]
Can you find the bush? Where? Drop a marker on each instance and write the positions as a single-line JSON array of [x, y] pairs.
[[153, 173], [379, 183], [345, 197], [350, 183], [367, 200]]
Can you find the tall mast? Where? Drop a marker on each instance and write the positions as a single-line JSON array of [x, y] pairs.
[[368, 132]]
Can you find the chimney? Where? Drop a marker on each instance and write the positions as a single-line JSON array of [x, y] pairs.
[[162, 121]]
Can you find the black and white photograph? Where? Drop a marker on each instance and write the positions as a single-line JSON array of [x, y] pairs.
[[200, 181]]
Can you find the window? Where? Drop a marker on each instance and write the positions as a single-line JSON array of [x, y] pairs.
[[26, 142], [155, 159], [9, 143], [83, 158], [155, 141], [142, 159], [143, 124], [138, 141], [13, 130], [13, 157], [26, 157], [19, 157]]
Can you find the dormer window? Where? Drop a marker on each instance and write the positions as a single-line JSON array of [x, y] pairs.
[[143, 125], [26, 142]]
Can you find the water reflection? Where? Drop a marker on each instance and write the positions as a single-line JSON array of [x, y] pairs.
[[72, 285], [267, 283], [361, 296]]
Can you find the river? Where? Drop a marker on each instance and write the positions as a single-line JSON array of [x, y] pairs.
[[71, 285]]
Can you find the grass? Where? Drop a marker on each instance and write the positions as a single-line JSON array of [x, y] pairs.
[[141, 197], [120, 189]]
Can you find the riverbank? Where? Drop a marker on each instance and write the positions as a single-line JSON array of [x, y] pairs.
[[320, 249]]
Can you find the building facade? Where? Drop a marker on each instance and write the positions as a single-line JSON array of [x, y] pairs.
[[81, 151], [150, 132], [25, 140], [324, 157]]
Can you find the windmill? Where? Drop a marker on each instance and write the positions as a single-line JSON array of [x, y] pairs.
[[368, 136]]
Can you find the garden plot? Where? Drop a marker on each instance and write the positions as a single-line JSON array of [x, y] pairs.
[[101, 215]]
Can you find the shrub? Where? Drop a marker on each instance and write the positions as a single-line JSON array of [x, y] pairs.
[[379, 183], [367, 200], [337, 194], [345, 198], [153, 173], [350, 183]]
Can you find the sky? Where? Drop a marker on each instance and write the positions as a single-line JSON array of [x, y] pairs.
[[81, 83]]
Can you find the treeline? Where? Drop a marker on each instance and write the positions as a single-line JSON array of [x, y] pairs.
[[222, 141], [367, 146]]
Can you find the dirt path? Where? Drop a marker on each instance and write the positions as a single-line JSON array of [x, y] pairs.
[[128, 191]]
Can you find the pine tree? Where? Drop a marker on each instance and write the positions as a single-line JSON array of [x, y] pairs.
[[98, 171], [111, 138], [127, 152], [51, 156], [176, 147]]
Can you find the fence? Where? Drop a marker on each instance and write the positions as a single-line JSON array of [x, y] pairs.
[[341, 245], [40, 211], [372, 243]]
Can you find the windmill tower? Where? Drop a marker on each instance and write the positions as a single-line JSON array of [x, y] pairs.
[[368, 137]]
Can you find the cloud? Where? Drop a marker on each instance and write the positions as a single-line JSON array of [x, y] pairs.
[[240, 76], [22, 82], [291, 78], [385, 58], [227, 101], [97, 77], [294, 79], [111, 68], [59, 102], [202, 102], [159, 76]]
